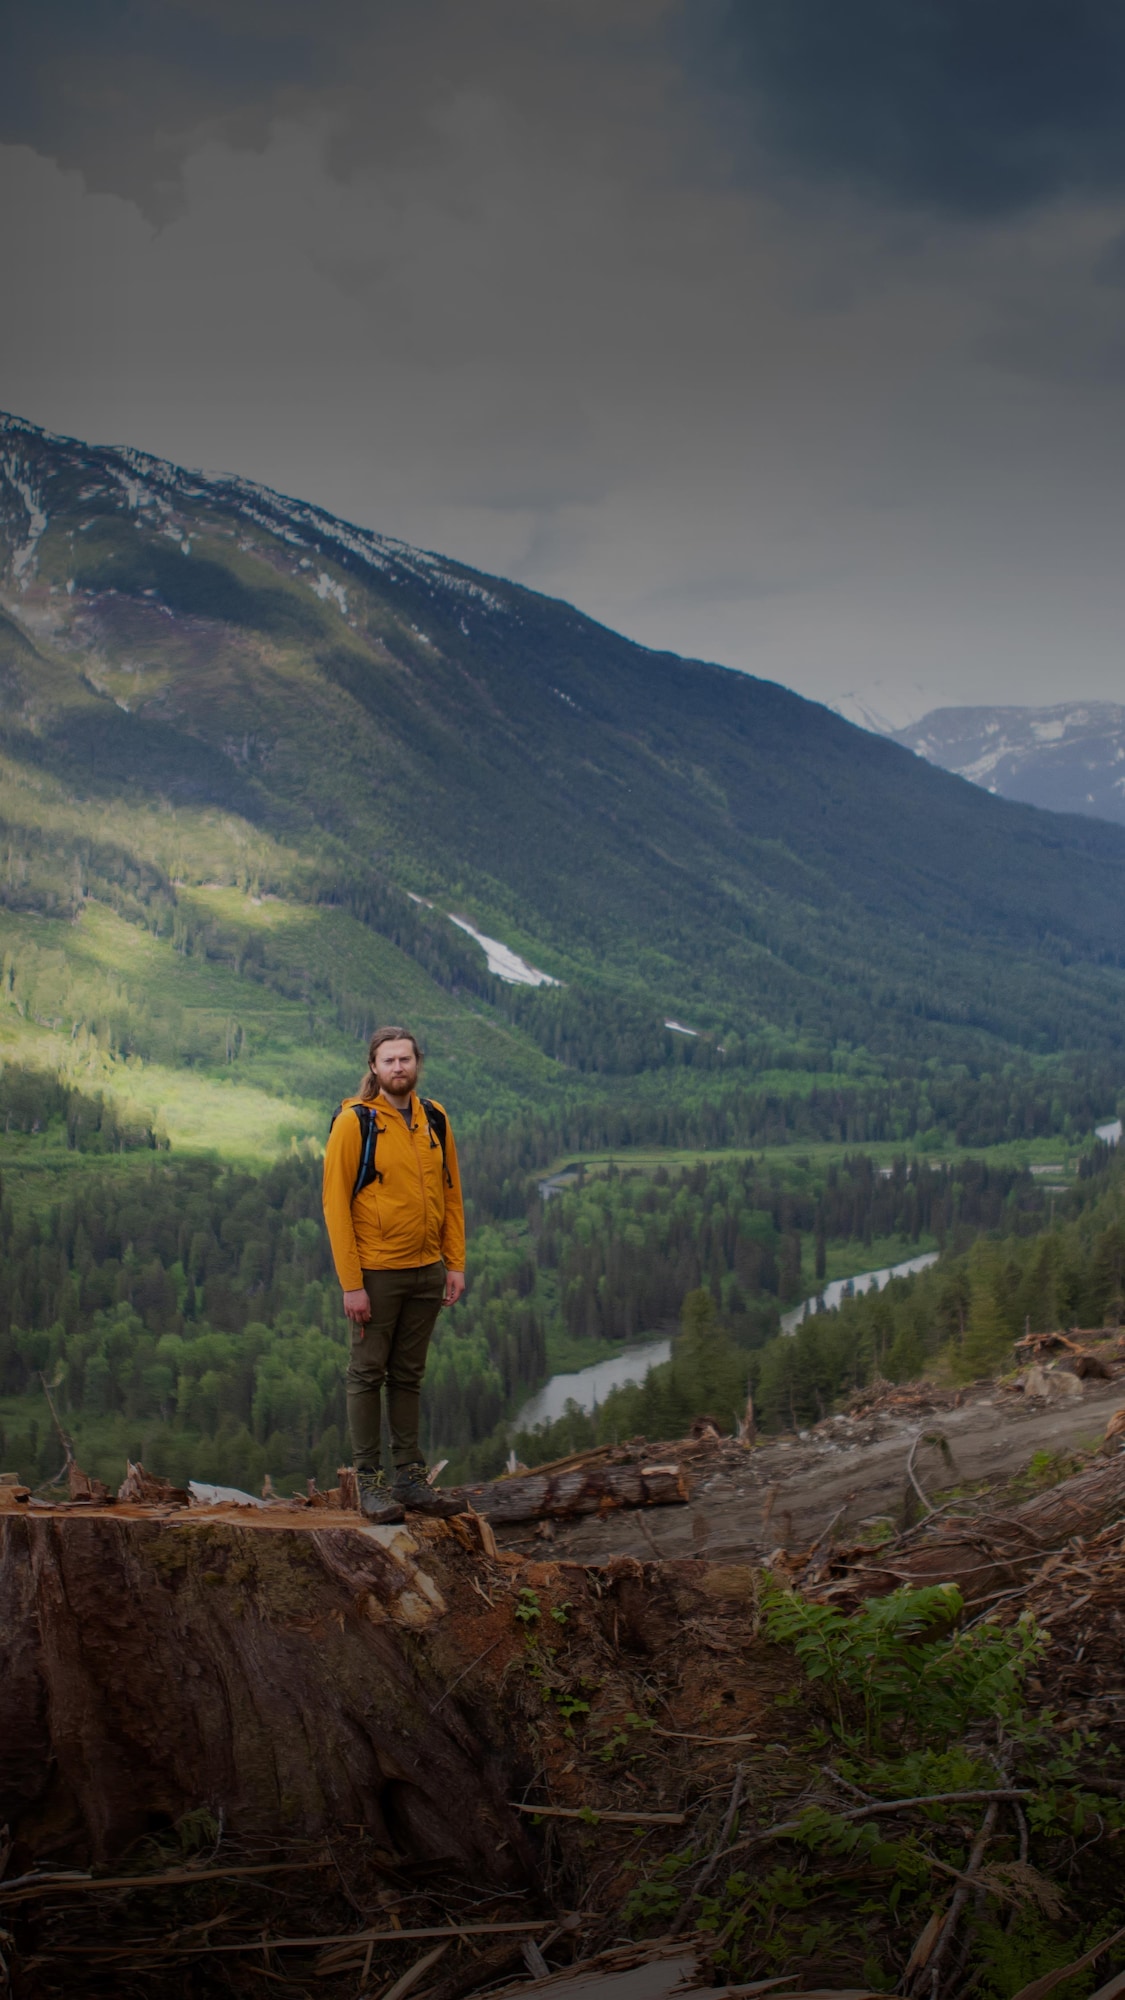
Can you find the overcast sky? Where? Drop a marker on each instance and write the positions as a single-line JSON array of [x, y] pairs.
[[786, 333]]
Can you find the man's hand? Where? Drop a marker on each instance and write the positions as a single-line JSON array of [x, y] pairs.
[[454, 1287], [357, 1305]]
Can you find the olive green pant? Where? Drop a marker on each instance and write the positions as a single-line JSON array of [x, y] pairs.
[[392, 1349]]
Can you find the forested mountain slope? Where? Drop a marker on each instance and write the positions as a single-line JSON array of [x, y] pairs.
[[203, 683], [253, 760]]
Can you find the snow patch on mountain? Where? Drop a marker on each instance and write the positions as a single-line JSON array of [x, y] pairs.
[[18, 476], [326, 588], [505, 963]]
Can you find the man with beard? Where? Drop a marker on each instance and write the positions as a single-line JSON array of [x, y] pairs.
[[396, 1223]]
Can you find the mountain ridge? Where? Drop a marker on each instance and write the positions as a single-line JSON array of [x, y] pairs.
[[666, 838], [1068, 757]]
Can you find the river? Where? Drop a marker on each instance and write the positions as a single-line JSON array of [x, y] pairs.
[[864, 1281], [588, 1387]]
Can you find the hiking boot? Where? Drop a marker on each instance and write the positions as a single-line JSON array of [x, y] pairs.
[[413, 1491], [376, 1500]]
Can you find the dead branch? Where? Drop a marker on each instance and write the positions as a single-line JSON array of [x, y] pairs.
[[682, 1736], [826, 1532], [913, 1477], [63, 1435], [169, 1949], [961, 1895], [612, 1818], [466, 1672], [27, 1888], [886, 1807], [737, 1793], [1039, 1988], [990, 1555]]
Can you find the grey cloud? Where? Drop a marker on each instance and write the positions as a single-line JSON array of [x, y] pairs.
[[122, 89], [732, 587], [973, 107], [1109, 268], [125, 90], [481, 276]]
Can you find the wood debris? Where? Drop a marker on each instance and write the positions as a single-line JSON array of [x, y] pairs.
[[81, 1487], [148, 1489], [985, 1553]]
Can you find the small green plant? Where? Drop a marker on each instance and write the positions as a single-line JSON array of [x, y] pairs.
[[570, 1705], [900, 1666], [1045, 1469], [915, 1707], [197, 1829], [659, 1896], [875, 1533], [526, 1607]]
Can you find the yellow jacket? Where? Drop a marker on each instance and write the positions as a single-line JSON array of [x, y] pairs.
[[412, 1216]]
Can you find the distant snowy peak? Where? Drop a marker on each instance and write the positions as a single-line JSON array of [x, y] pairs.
[[31, 458], [1070, 758]]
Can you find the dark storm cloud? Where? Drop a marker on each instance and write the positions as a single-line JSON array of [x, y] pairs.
[[977, 107], [120, 87], [783, 332], [125, 90]]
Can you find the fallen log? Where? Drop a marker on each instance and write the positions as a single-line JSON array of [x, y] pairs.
[[586, 1489], [984, 1556]]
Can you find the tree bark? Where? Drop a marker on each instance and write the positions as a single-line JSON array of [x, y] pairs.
[[287, 1670], [587, 1489]]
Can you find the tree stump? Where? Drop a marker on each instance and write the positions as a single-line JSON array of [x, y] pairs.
[[287, 1669]]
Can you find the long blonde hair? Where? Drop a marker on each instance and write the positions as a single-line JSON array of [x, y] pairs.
[[369, 1085]]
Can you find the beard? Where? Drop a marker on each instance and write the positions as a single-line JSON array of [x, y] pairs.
[[401, 1082]]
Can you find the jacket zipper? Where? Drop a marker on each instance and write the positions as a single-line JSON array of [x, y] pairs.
[[421, 1179]]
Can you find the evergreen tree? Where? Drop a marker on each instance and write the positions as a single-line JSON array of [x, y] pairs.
[[988, 1335]]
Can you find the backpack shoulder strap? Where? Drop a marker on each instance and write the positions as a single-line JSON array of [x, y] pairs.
[[437, 1125], [369, 1130]]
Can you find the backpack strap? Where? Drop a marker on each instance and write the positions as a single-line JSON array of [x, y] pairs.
[[436, 1122], [369, 1130]]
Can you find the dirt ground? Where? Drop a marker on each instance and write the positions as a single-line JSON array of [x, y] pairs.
[[426, 1759], [785, 1492]]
